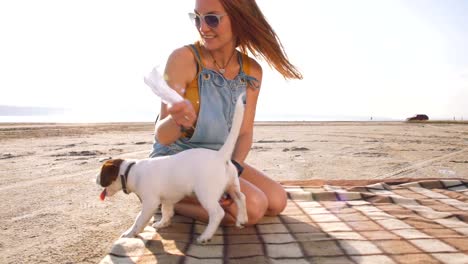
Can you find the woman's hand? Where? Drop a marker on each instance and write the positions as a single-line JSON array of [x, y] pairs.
[[183, 113]]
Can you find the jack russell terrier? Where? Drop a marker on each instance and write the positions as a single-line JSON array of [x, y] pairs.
[[168, 179]]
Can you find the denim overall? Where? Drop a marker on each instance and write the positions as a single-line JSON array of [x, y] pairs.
[[218, 97]]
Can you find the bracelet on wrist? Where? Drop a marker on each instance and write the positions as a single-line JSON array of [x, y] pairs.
[[239, 167]]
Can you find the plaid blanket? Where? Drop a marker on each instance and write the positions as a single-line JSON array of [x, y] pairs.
[[384, 222]]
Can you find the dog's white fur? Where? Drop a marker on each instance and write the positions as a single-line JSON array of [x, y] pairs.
[[166, 180]]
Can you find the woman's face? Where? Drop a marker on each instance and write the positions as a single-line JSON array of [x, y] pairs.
[[219, 36]]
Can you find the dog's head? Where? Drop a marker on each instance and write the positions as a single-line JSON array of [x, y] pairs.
[[108, 177]]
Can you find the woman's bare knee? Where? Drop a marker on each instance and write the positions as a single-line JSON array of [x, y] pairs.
[[277, 202], [275, 193], [256, 208]]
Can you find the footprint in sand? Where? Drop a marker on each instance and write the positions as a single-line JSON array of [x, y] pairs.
[[143, 143], [79, 153], [11, 156], [275, 141], [7, 156], [260, 149], [299, 158], [370, 154], [115, 150], [295, 149]]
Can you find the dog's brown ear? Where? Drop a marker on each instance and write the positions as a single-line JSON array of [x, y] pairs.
[[110, 171]]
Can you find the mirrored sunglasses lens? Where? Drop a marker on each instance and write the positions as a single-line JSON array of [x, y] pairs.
[[211, 20]]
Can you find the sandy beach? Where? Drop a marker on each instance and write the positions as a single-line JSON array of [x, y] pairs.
[[50, 211]]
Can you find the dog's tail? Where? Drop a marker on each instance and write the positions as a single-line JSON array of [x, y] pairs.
[[228, 148]]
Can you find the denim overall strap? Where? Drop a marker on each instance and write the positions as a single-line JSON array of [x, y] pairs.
[[245, 71]]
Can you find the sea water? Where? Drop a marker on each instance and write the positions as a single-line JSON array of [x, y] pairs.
[[149, 116]]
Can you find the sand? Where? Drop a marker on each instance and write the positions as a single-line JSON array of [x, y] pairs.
[[50, 211]]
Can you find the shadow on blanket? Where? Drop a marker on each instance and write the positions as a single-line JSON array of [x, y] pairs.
[[398, 221]]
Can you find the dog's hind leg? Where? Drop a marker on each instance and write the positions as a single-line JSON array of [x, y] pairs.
[[147, 211], [167, 211], [239, 199], [242, 217], [216, 214]]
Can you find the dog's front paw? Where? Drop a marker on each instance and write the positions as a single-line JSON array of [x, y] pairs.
[[161, 224], [239, 225], [241, 220], [203, 240], [127, 234]]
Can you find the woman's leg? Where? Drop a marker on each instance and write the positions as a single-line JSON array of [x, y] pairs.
[[275, 193], [256, 203]]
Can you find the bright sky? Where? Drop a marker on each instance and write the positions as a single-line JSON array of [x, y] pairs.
[[386, 58]]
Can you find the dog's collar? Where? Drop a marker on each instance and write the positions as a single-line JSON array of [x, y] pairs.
[[124, 178]]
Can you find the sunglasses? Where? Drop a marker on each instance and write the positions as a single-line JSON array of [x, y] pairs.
[[211, 20]]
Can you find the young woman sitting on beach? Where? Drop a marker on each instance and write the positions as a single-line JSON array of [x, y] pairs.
[[210, 74]]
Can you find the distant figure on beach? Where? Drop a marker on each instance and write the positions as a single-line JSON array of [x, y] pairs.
[[210, 74]]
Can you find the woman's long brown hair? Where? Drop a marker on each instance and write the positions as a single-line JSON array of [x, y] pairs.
[[254, 34]]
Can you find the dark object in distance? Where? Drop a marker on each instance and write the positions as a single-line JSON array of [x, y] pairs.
[[418, 118]]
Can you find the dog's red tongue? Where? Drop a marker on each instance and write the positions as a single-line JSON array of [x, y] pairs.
[[103, 195]]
